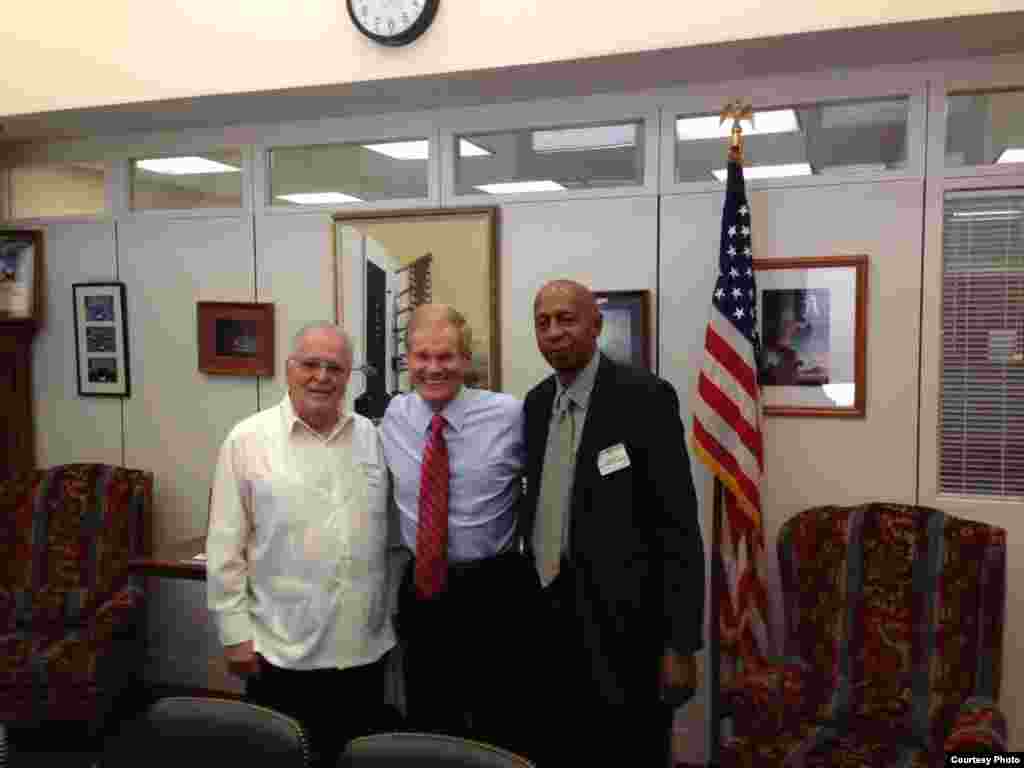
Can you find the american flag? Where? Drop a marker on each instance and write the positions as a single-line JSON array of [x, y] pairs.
[[727, 421], [726, 432]]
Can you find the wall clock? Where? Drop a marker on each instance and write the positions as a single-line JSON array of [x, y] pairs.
[[392, 22]]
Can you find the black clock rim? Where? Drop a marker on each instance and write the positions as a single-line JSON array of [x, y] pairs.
[[406, 37]]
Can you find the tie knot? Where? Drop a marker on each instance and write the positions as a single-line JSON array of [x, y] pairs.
[[566, 407], [437, 424]]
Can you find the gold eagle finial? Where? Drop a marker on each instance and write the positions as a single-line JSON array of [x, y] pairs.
[[736, 110]]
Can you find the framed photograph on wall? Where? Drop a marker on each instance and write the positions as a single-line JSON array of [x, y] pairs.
[[20, 271], [101, 340], [390, 262], [625, 327], [235, 338], [813, 335]]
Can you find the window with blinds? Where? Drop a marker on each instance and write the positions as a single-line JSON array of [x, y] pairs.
[[981, 417]]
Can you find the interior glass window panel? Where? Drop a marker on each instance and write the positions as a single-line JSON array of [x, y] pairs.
[[843, 139], [550, 159], [984, 128], [211, 179], [981, 394], [393, 169], [61, 189]]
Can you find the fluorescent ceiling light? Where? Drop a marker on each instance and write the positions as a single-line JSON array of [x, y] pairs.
[[986, 214], [319, 198], [768, 171], [468, 149], [402, 150], [711, 127], [518, 187], [1012, 155], [183, 166], [593, 137], [420, 149]]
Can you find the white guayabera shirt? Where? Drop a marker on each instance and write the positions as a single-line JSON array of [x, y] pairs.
[[298, 540]]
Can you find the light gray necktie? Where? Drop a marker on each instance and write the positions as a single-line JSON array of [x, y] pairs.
[[555, 482]]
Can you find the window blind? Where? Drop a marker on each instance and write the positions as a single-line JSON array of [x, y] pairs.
[[981, 416]]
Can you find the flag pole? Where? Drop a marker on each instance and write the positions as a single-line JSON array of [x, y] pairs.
[[736, 111], [715, 623]]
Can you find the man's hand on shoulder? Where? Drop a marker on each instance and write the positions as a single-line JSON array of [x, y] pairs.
[[242, 660]]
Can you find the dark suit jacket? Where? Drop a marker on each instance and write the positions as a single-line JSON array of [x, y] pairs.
[[634, 535]]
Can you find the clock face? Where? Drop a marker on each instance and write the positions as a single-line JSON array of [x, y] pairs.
[[392, 22]]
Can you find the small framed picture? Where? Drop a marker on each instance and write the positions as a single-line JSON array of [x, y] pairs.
[[20, 270], [101, 341], [235, 338], [814, 335], [625, 330]]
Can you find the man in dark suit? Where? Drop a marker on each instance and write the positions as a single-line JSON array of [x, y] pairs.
[[611, 521]]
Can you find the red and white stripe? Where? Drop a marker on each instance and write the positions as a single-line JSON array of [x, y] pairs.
[[727, 413]]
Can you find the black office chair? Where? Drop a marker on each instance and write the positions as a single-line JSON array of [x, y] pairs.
[[426, 750], [183, 731]]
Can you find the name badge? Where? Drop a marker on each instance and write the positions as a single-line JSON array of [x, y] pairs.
[[612, 459]]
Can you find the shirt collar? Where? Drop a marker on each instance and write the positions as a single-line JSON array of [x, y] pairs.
[[454, 411], [291, 418], [581, 387]]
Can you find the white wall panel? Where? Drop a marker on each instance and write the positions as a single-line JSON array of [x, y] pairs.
[[70, 428], [812, 461], [293, 270], [607, 244], [688, 247], [177, 417]]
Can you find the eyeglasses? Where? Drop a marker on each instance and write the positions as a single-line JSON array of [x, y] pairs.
[[311, 365]]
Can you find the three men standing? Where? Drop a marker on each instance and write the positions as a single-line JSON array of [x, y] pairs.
[[561, 624]]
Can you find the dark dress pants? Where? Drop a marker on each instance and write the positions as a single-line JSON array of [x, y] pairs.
[[572, 723], [333, 705], [464, 668]]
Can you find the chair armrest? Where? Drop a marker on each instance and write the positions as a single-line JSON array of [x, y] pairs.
[[116, 615], [767, 699], [979, 726], [73, 659]]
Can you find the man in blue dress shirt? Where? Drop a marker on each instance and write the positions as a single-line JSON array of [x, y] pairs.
[[456, 622]]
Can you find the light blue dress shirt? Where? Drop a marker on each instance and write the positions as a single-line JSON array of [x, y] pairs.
[[486, 455]]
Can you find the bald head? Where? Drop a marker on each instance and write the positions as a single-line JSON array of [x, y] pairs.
[[567, 323], [571, 290]]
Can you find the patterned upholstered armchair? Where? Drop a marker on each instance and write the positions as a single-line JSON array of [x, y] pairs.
[[71, 632], [893, 643]]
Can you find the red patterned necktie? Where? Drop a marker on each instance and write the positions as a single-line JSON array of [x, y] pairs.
[[432, 532]]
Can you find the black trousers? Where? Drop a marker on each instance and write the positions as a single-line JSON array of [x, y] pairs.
[[333, 705], [571, 722], [464, 667]]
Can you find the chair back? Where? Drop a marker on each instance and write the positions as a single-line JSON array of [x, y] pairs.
[[426, 750], [185, 730], [66, 536], [899, 612]]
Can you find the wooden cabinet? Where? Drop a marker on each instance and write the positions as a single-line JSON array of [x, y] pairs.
[[17, 446]]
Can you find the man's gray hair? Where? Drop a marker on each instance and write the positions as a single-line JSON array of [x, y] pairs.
[[300, 335]]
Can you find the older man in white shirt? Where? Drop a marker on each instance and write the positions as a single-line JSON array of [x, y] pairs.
[[297, 572]]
